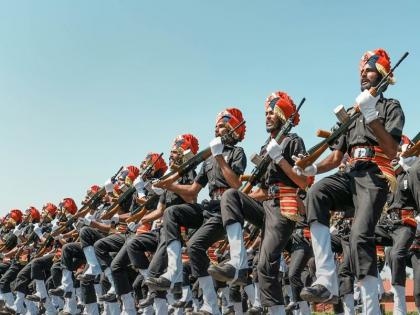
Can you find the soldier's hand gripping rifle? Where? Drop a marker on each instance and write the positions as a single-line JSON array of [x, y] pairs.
[[262, 163], [346, 120], [413, 150], [192, 163], [261, 168], [92, 203], [114, 208]]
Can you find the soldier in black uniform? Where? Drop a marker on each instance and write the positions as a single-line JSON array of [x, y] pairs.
[[269, 207], [371, 142], [221, 171], [133, 252], [13, 219], [397, 229]]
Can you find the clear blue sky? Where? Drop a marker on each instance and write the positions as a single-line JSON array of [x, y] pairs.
[[88, 86]]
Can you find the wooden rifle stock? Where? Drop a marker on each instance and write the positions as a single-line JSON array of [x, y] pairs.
[[323, 133], [192, 163], [262, 166], [317, 150], [413, 151]]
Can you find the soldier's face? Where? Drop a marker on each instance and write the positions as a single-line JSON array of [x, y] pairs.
[[220, 129], [272, 121], [175, 158], [369, 77]]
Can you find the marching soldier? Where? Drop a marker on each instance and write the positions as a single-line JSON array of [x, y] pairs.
[[221, 171], [371, 142], [273, 206]]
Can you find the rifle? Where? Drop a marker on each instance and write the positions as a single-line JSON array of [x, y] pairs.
[[195, 160], [114, 208], [346, 120], [140, 211], [415, 149], [262, 163]]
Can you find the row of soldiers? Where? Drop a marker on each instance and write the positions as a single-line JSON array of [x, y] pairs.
[[142, 244]]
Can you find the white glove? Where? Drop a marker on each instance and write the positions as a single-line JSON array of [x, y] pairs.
[[310, 170], [17, 232], [275, 151], [54, 227], [87, 221], [132, 227], [139, 186], [109, 186], [38, 231], [367, 106], [59, 237], [406, 163], [216, 146], [158, 191], [79, 224], [115, 219]]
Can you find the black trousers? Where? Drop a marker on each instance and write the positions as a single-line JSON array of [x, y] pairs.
[[208, 223], [41, 267], [72, 256], [3, 268], [159, 260], [238, 207], [132, 253], [187, 215], [414, 262], [366, 191], [276, 233], [23, 279], [401, 237], [9, 276], [414, 182], [54, 281], [345, 274], [107, 245], [301, 252], [138, 245], [88, 236]]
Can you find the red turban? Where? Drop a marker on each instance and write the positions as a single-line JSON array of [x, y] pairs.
[[95, 188], [16, 215], [133, 172], [159, 167], [283, 105], [34, 214], [69, 205], [233, 117], [379, 60], [186, 142], [50, 208]]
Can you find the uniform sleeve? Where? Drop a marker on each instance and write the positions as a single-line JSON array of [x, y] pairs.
[[395, 120], [238, 162], [162, 198], [340, 144], [201, 177], [414, 183], [295, 147]]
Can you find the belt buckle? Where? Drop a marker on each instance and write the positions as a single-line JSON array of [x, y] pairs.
[[273, 191], [360, 153]]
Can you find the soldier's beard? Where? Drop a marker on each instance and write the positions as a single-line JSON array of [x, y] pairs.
[[274, 127], [366, 85], [175, 164]]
